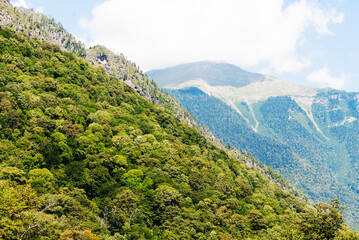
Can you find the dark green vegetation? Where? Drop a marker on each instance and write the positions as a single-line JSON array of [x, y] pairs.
[[229, 125], [83, 156]]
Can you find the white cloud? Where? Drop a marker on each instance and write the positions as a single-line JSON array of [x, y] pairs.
[[339, 18], [19, 3], [39, 9], [23, 3], [159, 33], [289, 63], [324, 79]]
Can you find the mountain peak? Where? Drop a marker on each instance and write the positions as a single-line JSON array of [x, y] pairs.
[[214, 73]]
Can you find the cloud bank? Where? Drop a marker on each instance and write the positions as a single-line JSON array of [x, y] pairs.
[[324, 79], [19, 3], [161, 33], [23, 3]]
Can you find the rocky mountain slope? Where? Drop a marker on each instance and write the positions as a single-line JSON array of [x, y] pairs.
[[310, 135], [83, 156], [37, 25]]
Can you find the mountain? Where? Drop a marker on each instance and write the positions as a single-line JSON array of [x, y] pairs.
[[116, 65], [83, 156], [310, 135], [216, 74], [63, 177]]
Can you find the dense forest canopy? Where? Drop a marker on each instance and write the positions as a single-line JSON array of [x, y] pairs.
[[83, 156]]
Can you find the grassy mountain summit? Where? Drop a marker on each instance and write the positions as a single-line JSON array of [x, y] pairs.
[[83, 156], [215, 74], [310, 135]]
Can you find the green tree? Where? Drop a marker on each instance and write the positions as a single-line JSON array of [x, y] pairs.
[[42, 180], [324, 222]]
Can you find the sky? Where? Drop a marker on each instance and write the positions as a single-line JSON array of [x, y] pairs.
[[310, 42]]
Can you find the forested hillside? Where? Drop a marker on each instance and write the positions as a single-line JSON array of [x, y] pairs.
[[84, 157], [38, 25]]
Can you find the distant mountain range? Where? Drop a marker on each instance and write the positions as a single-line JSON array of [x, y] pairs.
[[310, 135]]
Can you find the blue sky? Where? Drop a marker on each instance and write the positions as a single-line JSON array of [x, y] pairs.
[[307, 42]]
